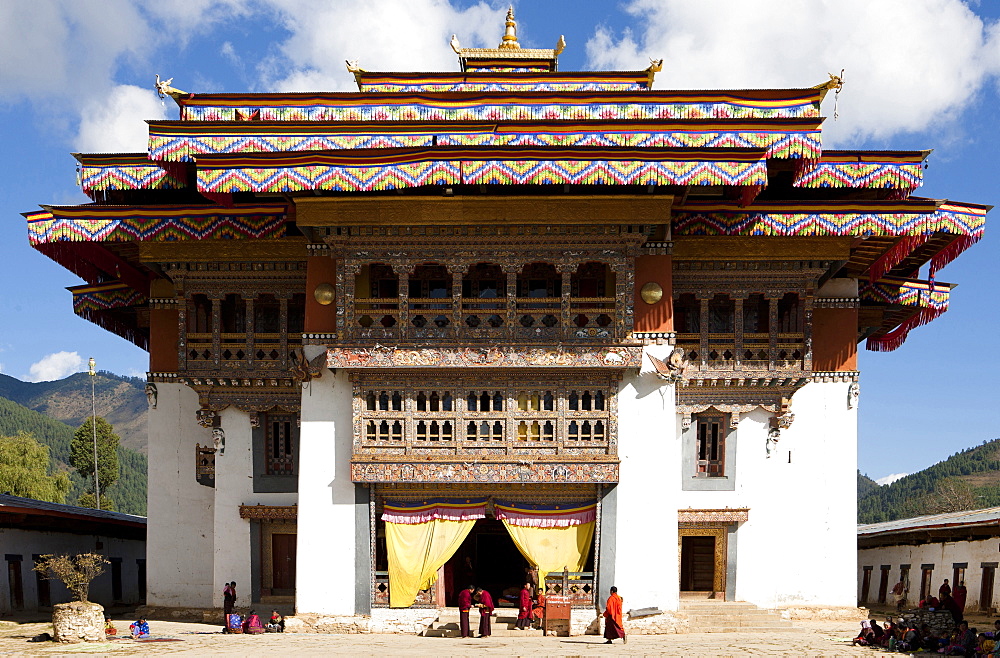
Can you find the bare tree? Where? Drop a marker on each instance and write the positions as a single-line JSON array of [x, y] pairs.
[[951, 495], [76, 572]]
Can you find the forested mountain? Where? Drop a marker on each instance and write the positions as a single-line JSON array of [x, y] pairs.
[[120, 400], [967, 480], [128, 493]]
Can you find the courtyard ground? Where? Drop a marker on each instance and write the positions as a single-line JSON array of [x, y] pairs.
[[813, 639]]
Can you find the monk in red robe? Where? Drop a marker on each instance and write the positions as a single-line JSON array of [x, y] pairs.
[[960, 593], [613, 627], [485, 612], [524, 608], [538, 612], [464, 605]]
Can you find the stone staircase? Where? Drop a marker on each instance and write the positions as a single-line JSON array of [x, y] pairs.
[[447, 624], [733, 617]]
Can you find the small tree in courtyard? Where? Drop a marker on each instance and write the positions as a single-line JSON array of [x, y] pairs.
[[76, 572]]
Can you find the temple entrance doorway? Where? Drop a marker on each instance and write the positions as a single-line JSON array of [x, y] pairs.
[[283, 564], [488, 558], [702, 563]]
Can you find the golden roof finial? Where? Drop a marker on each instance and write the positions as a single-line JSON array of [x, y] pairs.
[[509, 41]]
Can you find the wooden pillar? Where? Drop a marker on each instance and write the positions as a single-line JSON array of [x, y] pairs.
[[772, 323], [703, 344], [251, 329], [164, 328], [738, 334], [216, 331]]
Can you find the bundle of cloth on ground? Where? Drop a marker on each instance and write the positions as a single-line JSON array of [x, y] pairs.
[[422, 536]]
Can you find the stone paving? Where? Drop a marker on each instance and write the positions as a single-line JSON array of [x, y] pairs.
[[816, 639]]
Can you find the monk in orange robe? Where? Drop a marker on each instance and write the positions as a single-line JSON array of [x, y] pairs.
[[613, 627]]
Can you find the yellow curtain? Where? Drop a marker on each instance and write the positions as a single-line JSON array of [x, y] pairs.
[[416, 551], [552, 549]]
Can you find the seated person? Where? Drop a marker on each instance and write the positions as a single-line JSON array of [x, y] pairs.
[[910, 640], [866, 637], [234, 623], [253, 624], [930, 602], [140, 628], [109, 628], [276, 624]]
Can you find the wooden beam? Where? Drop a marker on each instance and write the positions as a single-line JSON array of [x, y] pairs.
[[472, 210]]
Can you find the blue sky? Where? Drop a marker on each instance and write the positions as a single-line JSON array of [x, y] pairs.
[[77, 76]]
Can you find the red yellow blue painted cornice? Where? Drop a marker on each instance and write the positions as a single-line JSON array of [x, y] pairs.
[[96, 223], [391, 82]]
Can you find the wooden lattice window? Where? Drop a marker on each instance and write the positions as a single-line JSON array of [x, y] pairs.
[[710, 451], [281, 431]]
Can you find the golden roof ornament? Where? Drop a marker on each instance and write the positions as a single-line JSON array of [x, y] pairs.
[[509, 41], [163, 89]]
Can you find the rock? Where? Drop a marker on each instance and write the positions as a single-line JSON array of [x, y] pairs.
[[77, 621]]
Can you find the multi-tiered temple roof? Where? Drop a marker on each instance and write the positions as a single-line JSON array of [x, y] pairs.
[[726, 164]]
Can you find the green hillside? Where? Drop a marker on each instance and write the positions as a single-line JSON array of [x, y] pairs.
[[969, 479], [120, 400], [128, 493]]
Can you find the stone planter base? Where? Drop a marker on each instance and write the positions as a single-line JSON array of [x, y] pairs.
[[78, 622]]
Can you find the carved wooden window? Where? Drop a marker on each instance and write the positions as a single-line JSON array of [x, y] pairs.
[[199, 315], [790, 314], [296, 314], [710, 449], [721, 315], [267, 315], [233, 311], [436, 413], [281, 433], [687, 312]]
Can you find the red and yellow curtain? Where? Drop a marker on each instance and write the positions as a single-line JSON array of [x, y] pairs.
[[550, 537]]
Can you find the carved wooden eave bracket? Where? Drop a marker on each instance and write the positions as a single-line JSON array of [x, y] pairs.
[[737, 397], [491, 472]]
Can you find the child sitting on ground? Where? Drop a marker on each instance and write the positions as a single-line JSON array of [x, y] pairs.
[[276, 624], [140, 628], [109, 628]]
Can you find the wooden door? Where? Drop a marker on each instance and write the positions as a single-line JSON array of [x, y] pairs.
[[866, 583], [283, 564], [883, 584], [16, 586], [986, 589], [697, 564]]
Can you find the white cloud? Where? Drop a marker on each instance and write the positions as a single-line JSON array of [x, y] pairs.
[[55, 366], [889, 479], [388, 35], [115, 123], [909, 63]]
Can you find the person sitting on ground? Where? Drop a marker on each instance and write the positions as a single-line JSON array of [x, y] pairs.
[[865, 638], [253, 624], [963, 641], [889, 632], [985, 644], [910, 639], [276, 624], [140, 628], [877, 632], [945, 589], [109, 628], [234, 623]]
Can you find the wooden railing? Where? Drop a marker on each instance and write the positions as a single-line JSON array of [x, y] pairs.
[[755, 352], [577, 585], [262, 351]]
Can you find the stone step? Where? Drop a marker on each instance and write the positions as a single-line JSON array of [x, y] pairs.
[[752, 629], [733, 617], [496, 632]]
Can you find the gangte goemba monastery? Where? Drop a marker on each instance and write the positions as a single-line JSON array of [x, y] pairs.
[[453, 325]]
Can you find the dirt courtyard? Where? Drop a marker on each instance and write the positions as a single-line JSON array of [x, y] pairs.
[[810, 639]]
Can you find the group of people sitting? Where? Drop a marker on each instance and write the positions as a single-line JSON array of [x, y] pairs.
[[252, 624], [139, 629], [905, 637]]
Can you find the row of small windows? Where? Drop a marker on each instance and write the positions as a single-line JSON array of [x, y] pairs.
[[486, 401], [234, 318], [485, 430], [722, 314], [484, 281]]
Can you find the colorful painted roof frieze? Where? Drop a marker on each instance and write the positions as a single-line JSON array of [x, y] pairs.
[[907, 292], [179, 141], [507, 106], [94, 303], [94, 223], [126, 171], [901, 171], [382, 169], [493, 80], [831, 218], [928, 298]]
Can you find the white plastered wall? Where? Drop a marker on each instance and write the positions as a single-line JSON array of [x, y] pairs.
[[646, 571], [325, 577], [799, 545], [180, 511], [943, 556]]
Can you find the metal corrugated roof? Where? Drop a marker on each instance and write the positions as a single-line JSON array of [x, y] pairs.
[[28, 503], [976, 517]]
